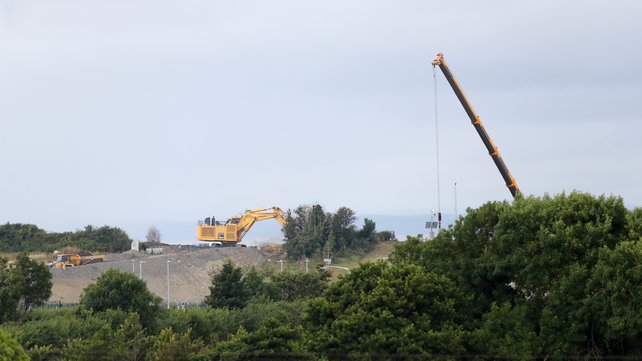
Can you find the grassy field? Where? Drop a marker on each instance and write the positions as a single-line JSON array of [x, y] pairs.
[[349, 261], [38, 256]]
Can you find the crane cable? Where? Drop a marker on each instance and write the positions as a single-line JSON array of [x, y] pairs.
[[434, 77]]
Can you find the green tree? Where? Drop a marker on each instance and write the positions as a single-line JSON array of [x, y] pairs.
[[343, 228], [272, 341], [614, 298], [8, 293], [255, 286], [507, 333], [170, 346], [306, 231], [30, 238], [290, 286], [20, 237], [227, 289], [32, 282], [309, 231], [564, 270], [119, 290], [104, 345], [381, 311], [10, 349]]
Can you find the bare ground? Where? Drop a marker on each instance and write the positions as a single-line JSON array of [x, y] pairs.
[[190, 272]]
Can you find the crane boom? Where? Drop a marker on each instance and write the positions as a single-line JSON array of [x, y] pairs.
[[479, 127]]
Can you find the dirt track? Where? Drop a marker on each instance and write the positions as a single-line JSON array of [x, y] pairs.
[[189, 279]]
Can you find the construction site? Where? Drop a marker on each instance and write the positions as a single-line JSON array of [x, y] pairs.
[[190, 271], [182, 274]]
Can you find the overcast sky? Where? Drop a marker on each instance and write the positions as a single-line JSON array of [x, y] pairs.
[[146, 112]]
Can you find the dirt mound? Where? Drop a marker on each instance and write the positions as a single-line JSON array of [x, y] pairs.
[[190, 271]]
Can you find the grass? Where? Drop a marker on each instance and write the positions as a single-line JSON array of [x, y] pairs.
[[349, 260], [36, 256]]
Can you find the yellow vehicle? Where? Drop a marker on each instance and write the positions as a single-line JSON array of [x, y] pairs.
[[73, 260], [231, 232]]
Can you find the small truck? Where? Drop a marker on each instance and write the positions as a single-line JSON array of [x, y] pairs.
[[73, 260]]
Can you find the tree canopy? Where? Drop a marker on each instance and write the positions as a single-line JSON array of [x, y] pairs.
[[535, 278], [227, 289], [26, 284], [117, 290], [29, 238], [310, 230], [233, 289], [562, 272], [10, 349]]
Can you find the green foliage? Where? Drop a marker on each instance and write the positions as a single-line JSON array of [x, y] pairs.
[[119, 290], [103, 345], [69, 335], [507, 333], [227, 290], [272, 341], [55, 330], [254, 286], [309, 231], [8, 293], [564, 269], [290, 286], [170, 346], [26, 284], [231, 289], [381, 310], [32, 281], [538, 278], [29, 238], [221, 323], [10, 349]]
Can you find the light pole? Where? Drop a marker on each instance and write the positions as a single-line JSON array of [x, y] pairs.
[[168, 261], [456, 215]]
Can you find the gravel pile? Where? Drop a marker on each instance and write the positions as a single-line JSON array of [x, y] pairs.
[[190, 272]]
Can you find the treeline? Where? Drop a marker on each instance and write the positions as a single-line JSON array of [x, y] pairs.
[[311, 231], [29, 238], [119, 319], [536, 278]]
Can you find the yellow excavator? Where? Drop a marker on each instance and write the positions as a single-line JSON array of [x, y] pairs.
[[231, 232]]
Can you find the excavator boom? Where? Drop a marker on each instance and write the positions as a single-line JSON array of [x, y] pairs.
[[234, 229], [479, 127]]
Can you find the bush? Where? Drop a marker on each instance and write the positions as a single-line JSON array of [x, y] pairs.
[[10, 349], [118, 290]]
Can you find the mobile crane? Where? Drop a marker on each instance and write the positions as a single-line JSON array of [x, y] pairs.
[[231, 232], [474, 118]]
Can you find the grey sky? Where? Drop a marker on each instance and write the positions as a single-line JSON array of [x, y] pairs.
[[151, 112]]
